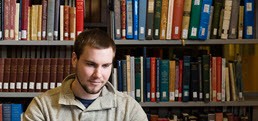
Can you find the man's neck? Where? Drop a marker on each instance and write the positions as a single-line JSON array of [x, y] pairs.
[[81, 93]]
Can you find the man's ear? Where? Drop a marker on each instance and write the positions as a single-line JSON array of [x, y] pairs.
[[74, 59]]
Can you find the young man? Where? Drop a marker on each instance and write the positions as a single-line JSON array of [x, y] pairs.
[[87, 95]]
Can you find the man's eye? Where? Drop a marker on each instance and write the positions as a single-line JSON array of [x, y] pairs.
[[106, 65], [89, 64]]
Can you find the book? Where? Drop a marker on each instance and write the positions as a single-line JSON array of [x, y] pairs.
[[72, 20], [138, 79], [79, 16], [117, 19], [16, 112], [153, 79], [44, 19], [66, 21], [164, 19], [164, 81], [177, 21], [135, 19], [26, 70], [172, 80], [149, 17], [234, 16], [206, 77], [50, 19], [168, 19], [6, 111], [195, 21], [216, 19], [46, 74], [186, 79], [39, 75], [142, 18], [1, 73], [56, 20], [186, 18], [7, 69], [226, 20], [157, 17], [241, 20], [123, 19], [194, 80], [129, 19], [248, 19], [13, 75], [204, 19], [32, 74]]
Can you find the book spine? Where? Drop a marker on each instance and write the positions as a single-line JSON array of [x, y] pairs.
[[66, 22], [1, 73], [25, 78], [79, 16], [135, 19], [46, 74], [186, 18], [123, 18], [153, 79], [39, 32], [248, 19], [117, 18], [138, 79], [12, 18], [206, 77], [164, 81], [142, 18], [169, 19], [20, 70], [50, 19], [157, 16], [53, 73], [32, 74], [195, 21], [204, 19], [194, 81], [7, 19], [72, 22], [59, 71], [1, 19], [186, 78], [234, 16], [226, 19], [172, 80], [129, 19], [7, 68], [164, 19], [240, 21], [39, 75], [56, 19], [177, 21], [13, 75], [215, 20], [44, 20], [150, 17]]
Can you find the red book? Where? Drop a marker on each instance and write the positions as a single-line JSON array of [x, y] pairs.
[[153, 79], [46, 74], [39, 74], [180, 80], [7, 19], [13, 75], [218, 77], [20, 67], [123, 18], [214, 79], [79, 16], [66, 22], [24, 20], [177, 21], [32, 73], [1, 73], [7, 68], [44, 20], [25, 78]]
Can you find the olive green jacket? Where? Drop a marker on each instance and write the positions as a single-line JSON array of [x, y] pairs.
[[60, 104]]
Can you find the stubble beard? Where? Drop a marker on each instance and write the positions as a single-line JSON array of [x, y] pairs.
[[86, 89]]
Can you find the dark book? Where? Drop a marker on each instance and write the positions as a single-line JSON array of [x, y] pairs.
[[194, 85], [164, 80], [39, 74], [1, 18], [157, 16], [50, 19], [7, 69], [216, 19], [59, 71], [137, 79], [200, 81], [7, 112], [186, 79], [25, 78], [117, 18], [53, 73], [32, 74], [13, 75], [44, 20], [1, 73], [206, 77], [149, 17], [56, 19], [46, 74], [20, 70]]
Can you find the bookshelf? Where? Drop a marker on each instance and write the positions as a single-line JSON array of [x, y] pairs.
[[105, 23]]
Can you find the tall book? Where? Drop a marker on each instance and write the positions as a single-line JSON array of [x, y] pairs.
[[157, 79], [195, 21], [6, 112], [59, 71], [164, 18], [46, 74], [241, 20], [157, 16], [7, 68], [204, 19], [206, 77], [25, 78], [13, 75], [226, 20], [56, 19], [194, 80], [153, 79], [39, 74], [142, 19], [169, 20], [1, 18], [16, 112], [79, 16], [123, 19], [66, 20], [234, 19], [50, 19], [129, 19], [216, 18], [117, 18], [138, 79], [248, 19], [135, 19], [72, 20], [32, 74], [53, 73], [147, 79], [232, 81], [172, 80], [177, 21], [186, 18], [164, 81], [7, 19], [44, 19], [1, 73], [149, 17], [186, 79]]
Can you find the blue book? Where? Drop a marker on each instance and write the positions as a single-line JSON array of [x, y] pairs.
[[186, 78], [119, 76], [204, 19], [164, 80], [142, 19], [147, 80], [249, 19], [129, 19], [16, 110], [7, 111], [157, 80], [135, 19]]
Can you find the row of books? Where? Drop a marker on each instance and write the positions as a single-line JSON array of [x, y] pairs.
[[183, 19], [218, 116], [11, 112], [41, 19], [32, 74], [203, 78]]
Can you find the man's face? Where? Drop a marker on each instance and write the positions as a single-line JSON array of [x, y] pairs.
[[93, 68]]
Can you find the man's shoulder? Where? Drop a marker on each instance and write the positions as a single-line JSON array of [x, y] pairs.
[[50, 93]]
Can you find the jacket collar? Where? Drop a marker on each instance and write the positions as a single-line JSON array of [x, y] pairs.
[[106, 100]]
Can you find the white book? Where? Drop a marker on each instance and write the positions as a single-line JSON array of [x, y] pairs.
[[170, 19], [223, 80], [226, 19], [132, 76]]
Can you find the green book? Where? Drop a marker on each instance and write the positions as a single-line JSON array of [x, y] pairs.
[[195, 19], [164, 80]]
